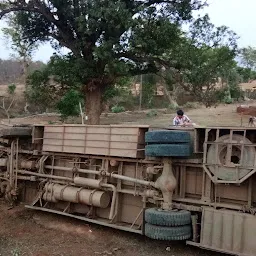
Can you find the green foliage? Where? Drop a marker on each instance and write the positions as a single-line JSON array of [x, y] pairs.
[[246, 74], [117, 109], [67, 71], [114, 37], [227, 99], [191, 105], [21, 46], [152, 113], [11, 89], [119, 89], [120, 94], [236, 92], [48, 85], [148, 92], [173, 106], [248, 57], [229, 94], [107, 39], [38, 91], [69, 104], [206, 55]]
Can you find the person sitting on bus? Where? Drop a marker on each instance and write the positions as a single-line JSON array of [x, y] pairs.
[[181, 119]]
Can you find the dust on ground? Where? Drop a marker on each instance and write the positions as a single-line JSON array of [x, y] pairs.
[[26, 232]]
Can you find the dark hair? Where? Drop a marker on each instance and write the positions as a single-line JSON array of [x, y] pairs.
[[180, 113]]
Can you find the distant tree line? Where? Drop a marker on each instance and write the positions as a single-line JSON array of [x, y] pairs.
[[11, 71]]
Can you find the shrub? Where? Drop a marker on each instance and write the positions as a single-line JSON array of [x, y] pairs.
[[152, 113], [228, 100], [191, 105], [11, 89], [117, 109], [69, 104], [173, 106], [236, 92]]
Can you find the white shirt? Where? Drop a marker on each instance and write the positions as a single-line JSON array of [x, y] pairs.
[[180, 121]]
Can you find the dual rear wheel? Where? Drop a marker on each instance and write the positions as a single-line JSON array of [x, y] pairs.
[[168, 225]]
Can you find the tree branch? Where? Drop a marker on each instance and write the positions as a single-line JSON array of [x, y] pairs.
[[41, 8], [15, 9], [174, 2]]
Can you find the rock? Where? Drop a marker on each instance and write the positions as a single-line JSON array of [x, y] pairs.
[[168, 249], [246, 110]]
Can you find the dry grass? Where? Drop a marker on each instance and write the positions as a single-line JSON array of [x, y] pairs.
[[223, 115]]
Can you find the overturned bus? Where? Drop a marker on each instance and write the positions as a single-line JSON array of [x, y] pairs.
[[193, 184]]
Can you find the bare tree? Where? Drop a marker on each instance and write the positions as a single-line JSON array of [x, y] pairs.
[[8, 101]]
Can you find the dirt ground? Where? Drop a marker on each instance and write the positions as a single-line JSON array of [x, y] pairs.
[[26, 232], [222, 115]]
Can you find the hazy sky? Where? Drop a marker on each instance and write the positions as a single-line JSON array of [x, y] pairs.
[[239, 15]]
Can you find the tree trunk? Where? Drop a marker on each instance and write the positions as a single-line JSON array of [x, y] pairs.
[[25, 64], [93, 103], [171, 100]]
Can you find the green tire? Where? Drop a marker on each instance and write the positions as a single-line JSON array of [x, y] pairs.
[[168, 233], [167, 218], [176, 150], [167, 137]]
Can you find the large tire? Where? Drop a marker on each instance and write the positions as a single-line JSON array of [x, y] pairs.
[[164, 136], [229, 173], [167, 218], [178, 150], [168, 233], [16, 132]]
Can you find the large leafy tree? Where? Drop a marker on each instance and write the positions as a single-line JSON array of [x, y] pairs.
[[248, 57], [246, 74], [205, 55], [107, 39]]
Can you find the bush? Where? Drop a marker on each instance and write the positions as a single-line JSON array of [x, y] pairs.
[[69, 104], [152, 113], [173, 106], [236, 92], [117, 109], [228, 100], [11, 89], [228, 97], [39, 94], [148, 90], [191, 105]]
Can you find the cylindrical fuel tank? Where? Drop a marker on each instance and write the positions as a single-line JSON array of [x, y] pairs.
[[80, 181], [76, 195]]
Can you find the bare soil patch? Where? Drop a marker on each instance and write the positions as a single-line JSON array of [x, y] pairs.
[[26, 232]]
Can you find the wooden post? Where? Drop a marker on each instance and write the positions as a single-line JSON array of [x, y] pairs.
[[140, 92], [242, 118], [81, 112]]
